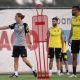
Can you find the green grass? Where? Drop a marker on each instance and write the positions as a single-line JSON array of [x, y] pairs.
[[31, 77]]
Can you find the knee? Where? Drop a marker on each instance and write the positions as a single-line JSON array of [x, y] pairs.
[[74, 57], [24, 60]]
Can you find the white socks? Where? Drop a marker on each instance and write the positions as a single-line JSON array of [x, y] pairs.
[[50, 72], [33, 69], [16, 73], [58, 72]]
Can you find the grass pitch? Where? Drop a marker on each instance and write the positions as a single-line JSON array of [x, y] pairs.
[[31, 77]]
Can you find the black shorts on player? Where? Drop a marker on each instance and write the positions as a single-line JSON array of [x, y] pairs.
[[75, 46], [19, 51], [56, 52]]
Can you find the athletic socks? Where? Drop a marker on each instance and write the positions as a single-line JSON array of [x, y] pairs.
[[67, 71], [61, 70], [33, 69], [34, 72], [50, 73], [74, 70], [16, 73], [58, 72]]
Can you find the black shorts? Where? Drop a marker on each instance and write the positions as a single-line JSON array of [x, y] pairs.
[[19, 51], [75, 46], [64, 57], [56, 52]]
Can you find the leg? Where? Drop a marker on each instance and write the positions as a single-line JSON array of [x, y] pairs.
[[66, 65], [75, 51], [16, 59], [58, 64], [74, 63], [51, 64], [27, 62], [58, 59], [65, 58], [61, 69], [51, 57], [16, 64]]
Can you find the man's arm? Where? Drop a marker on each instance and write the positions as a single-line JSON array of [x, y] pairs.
[[29, 36], [70, 35], [62, 40], [30, 42], [4, 27]]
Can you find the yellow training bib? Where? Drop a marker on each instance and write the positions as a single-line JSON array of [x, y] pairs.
[[76, 28], [64, 48], [55, 37]]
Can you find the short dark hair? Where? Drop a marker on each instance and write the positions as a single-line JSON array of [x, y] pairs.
[[20, 15], [55, 18], [77, 7]]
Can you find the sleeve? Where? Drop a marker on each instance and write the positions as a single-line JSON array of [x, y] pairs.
[[12, 26], [27, 29]]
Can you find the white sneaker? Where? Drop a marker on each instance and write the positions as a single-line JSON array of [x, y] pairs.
[[73, 75]]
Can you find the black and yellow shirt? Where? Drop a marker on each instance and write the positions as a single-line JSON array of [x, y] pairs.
[[55, 37], [76, 28]]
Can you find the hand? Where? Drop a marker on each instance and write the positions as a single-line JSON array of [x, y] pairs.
[[69, 42], [29, 46], [62, 50]]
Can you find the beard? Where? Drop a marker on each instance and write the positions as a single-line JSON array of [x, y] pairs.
[[73, 14], [54, 24]]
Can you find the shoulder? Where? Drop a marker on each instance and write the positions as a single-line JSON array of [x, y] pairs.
[[78, 18], [12, 25], [61, 30], [73, 17], [25, 24], [58, 27], [26, 27]]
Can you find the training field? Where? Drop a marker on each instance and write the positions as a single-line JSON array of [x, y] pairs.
[[31, 77]]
